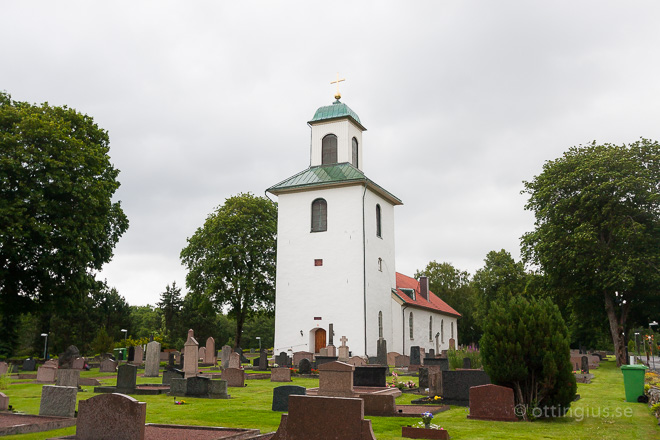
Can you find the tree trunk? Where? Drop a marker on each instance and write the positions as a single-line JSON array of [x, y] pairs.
[[617, 324]]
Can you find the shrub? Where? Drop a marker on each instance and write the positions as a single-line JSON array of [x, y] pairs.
[[456, 357], [525, 346], [5, 380]]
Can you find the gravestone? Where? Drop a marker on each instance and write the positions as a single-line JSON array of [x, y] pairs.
[[391, 357], [131, 354], [467, 363], [58, 401], [138, 358], [152, 365], [299, 355], [331, 350], [442, 363], [29, 364], [305, 366], [281, 395], [452, 344], [4, 367], [323, 352], [356, 361], [190, 349], [126, 378], [172, 373], [234, 361], [263, 360], [336, 379], [224, 356], [415, 357], [170, 360], [4, 402], [381, 351], [209, 353], [401, 361], [235, 377], [431, 353], [78, 363], [281, 374], [67, 377], [435, 382], [70, 354], [317, 417], [343, 350], [283, 360], [201, 354], [111, 417], [584, 364], [492, 402], [331, 334], [370, 376], [423, 377], [46, 374], [244, 360], [255, 362], [320, 360], [182, 361], [456, 385], [108, 366]]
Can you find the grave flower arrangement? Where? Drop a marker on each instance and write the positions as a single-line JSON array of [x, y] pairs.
[[426, 418], [179, 402]]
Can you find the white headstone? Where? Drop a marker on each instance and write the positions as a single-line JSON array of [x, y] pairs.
[[153, 359], [235, 360], [209, 357], [224, 356]]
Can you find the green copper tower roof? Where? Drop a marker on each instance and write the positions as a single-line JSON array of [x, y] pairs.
[[335, 111], [327, 176]]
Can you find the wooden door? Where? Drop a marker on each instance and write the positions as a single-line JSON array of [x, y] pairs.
[[319, 340]]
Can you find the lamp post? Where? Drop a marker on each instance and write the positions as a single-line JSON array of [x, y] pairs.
[[45, 335], [258, 338], [652, 341], [636, 346], [125, 333]]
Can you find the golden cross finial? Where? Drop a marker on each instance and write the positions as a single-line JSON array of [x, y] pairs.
[[337, 94]]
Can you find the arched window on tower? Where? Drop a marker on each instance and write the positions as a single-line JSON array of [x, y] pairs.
[[452, 330], [430, 328], [380, 324], [319, 215], [410, 323], [354, 153], [442, 331], [378, 226], [329, 149]]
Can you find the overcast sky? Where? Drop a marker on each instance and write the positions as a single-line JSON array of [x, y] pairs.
[[463, 101]]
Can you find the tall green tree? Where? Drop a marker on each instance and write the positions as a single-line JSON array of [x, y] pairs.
[[454, 287], [170, 305], [58, 223], [231, 259], [526, 346], [597, 230]]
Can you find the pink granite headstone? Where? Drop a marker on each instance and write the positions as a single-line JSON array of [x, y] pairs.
[[46, 374], [234, 360], [209, 353], [492, 402], [111, 417], [190, 355], [4, 402], [336, 379], [280, 374], [235, 377], [78, 363]]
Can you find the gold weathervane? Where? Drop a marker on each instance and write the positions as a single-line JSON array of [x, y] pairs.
[[337, 94]]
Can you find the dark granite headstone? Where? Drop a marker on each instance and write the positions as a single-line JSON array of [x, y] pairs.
[[431, 353], [281, 395], [283, 359], [305, 366], [456, 385], [66, 359], [320, 360], [442, 362], [244, 360], [170, 359], [263, 360], [181, 356], [255, 362], [197, 386], [126, 378], [381, 351], [423, 377], [331, 334], [415, 358], [370, 376], [29, 365], [170, 374], [467, 363], [585, 364], [131, 354]]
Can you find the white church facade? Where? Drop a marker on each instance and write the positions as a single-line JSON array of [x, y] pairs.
[[335, 255]]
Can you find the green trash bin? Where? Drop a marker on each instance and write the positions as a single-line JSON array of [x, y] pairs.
[[633, 381]]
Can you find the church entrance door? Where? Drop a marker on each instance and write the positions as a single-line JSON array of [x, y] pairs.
[[319, 340]]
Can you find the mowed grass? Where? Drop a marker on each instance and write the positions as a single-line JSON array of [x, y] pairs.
[[601, 413]]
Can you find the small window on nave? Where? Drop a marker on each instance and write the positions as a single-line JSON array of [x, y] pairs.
[[319, 215], [329, 149], [378, 224]]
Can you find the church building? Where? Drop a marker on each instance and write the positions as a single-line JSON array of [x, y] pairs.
[[335, 254]]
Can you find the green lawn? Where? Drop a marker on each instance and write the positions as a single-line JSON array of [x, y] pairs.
[[599, 414]]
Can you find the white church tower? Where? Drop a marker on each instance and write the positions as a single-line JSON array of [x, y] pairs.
[[335, 244]]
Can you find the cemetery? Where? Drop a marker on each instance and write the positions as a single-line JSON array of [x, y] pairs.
[[358, 401]]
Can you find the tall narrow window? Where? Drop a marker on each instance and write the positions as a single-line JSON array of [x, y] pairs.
[[442, 331], [410, 323], [452, 330], [380, 324], [329, 149], [378, 227], [319, 215], [354, 152], [380, 264], [430, 328]]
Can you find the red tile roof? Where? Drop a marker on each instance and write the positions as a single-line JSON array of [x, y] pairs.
[[434, 303]]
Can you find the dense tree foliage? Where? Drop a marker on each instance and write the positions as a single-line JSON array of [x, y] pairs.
[[597, 230], [58, 222], [454, 287], [526, 346], [231, 259], [170, 305]]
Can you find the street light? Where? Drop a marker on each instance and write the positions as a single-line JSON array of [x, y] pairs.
[[636, 346], [125, 333], [45, 335], [652, 341], [259, 339]]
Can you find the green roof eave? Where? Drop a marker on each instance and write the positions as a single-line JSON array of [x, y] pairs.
[[328, 176]]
